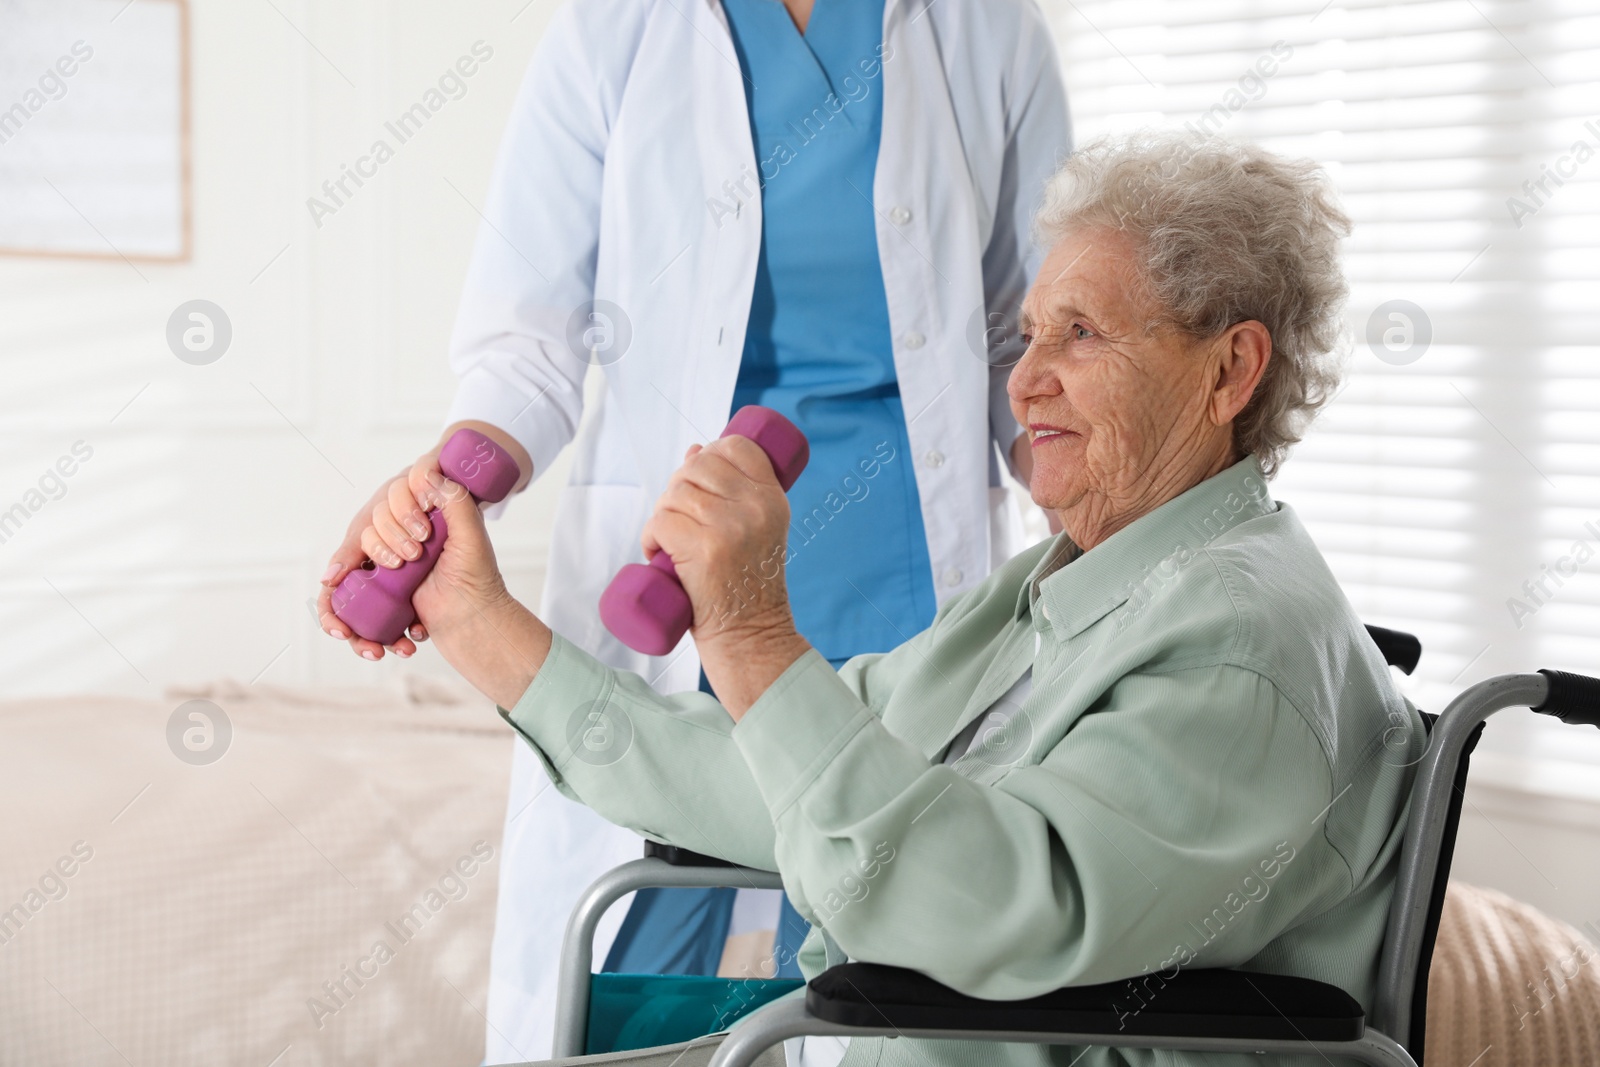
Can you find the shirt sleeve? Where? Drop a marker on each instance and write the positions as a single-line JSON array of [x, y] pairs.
[[533, 262], [1040, 139], [663, 766], [1180, 805]]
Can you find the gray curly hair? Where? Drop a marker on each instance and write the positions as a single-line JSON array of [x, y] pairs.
[[1226, 232]]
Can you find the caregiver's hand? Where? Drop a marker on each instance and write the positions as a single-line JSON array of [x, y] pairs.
[[724, 520], [388, 530]]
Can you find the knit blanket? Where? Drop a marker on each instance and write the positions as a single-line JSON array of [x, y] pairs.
[[1511, 986]]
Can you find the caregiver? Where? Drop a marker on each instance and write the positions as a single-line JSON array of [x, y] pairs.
[[820, 206]]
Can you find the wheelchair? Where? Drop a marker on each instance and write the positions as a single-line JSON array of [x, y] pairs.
[[1199, 1010]]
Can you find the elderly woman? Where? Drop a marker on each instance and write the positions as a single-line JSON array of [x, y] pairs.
[[1159, 739]]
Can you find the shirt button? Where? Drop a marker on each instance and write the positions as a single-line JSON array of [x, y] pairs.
[[952, 576], [900, 215], [913, 340], [934, 458]]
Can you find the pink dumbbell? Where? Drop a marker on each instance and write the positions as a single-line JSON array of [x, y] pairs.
[[376, 603], [645, 605]]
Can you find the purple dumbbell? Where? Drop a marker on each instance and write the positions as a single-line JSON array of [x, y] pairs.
[[645, 605], [376, 602]]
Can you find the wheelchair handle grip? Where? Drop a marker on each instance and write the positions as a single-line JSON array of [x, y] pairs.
[[1572, 698], [1399, 648]]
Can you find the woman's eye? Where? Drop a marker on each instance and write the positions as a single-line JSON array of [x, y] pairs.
[[1081, 332], [1027, 338]]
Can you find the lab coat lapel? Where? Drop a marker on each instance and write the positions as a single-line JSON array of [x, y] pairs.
[[929, 246], [700, 389]]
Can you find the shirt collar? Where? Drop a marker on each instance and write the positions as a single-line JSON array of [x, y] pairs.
[[1069, 589]]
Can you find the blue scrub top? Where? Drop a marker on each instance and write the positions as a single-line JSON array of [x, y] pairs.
[[818, 346]]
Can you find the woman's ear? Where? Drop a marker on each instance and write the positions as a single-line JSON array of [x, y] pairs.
[[1246, 348]]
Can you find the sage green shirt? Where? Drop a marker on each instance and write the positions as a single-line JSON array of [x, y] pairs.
[[1211, 769]]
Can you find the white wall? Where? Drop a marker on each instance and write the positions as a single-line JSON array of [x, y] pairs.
[[1532, 829], [186, 547]]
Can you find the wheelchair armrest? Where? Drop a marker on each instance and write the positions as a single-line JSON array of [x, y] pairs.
[[682, 857], [1212, 1003]]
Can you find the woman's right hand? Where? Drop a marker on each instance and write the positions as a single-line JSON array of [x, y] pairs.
[[388, 530]]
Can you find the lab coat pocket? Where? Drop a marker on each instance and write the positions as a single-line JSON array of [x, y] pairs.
[[596, 531]]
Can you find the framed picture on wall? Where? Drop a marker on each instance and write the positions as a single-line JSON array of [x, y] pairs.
[[94, 129]]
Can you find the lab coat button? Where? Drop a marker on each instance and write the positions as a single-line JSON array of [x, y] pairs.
[[900, 215], [934, 458], [913, 340], [952, 576]]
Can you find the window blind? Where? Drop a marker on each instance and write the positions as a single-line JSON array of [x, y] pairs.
[[1454, 484]]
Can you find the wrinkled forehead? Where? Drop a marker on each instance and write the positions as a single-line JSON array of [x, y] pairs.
[[1088, 274]]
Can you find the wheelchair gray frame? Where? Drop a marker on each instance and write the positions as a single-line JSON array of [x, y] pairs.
[[1386, 1032], [577, 944]]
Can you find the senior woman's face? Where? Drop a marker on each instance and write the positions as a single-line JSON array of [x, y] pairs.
[[1120, 419]]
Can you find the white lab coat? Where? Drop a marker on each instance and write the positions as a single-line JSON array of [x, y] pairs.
[[627, 175]]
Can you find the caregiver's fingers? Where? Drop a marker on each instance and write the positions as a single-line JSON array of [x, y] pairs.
[[336, 627], [430, 486], [386, 525], [409, 521], [346, 558], [350, 555], [401, 518], [362, 542], [378, 550], [331, 624], [403, 647]]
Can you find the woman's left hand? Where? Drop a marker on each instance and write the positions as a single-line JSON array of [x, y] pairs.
[[724, 520]]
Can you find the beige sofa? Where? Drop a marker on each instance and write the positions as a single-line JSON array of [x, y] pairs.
[[226, 913]]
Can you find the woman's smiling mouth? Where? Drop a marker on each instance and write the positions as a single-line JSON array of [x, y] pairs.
[[1043, 432]]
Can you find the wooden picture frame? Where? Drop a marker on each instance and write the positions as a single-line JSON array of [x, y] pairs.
[[96, 24]]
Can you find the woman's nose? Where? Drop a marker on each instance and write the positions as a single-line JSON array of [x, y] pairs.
[[1028, 377]]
